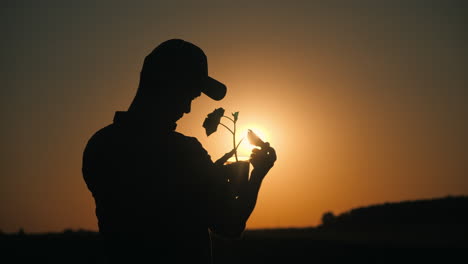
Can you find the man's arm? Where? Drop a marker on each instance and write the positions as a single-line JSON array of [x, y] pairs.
[[235, 212]]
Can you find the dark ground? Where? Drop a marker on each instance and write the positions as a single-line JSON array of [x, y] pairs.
[[310, 245], [421, 231]]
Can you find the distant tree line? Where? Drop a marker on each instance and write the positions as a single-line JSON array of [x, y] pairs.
[[442, 217]]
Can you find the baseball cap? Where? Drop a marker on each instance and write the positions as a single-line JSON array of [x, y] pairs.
[[180, 59]]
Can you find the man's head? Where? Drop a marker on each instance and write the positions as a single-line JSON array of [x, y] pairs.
[[173, 74]]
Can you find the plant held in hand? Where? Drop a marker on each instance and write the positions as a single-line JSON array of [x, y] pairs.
[[214, 119]]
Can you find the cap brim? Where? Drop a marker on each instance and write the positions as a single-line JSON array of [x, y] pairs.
[[214, 89]]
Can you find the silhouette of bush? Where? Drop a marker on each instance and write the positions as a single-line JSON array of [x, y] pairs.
[[328, 218], [21, 232]]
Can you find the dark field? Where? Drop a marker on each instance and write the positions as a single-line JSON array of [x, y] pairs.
[[421, 231], [256, 246]]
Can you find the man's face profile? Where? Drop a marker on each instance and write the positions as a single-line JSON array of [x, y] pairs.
[[182, 95]]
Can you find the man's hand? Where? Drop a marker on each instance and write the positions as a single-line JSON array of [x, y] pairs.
[[263, 159]]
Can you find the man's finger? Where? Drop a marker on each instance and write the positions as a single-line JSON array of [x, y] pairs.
[[255, 150], [272, 154]]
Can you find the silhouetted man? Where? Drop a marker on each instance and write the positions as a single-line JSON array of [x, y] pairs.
[[157, 192]]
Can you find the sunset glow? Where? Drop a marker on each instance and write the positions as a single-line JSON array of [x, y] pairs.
[[245, 148], [362, 105]]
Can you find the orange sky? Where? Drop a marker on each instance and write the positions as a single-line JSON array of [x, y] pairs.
[[364, 104]]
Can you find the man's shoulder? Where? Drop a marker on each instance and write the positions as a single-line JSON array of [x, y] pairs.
[[103, 133], [101, 138]]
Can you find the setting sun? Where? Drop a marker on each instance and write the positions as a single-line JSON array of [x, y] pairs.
[[245, 147]]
